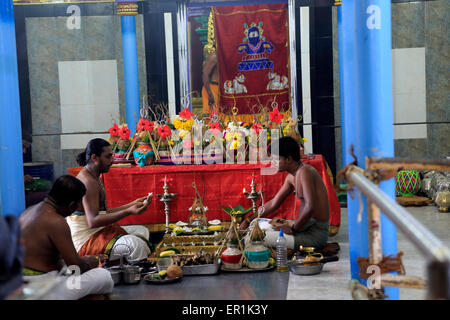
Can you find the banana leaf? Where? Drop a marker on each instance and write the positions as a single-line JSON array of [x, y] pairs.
[[237, 211]]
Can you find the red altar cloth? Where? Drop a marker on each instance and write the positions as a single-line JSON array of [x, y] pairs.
[[218, 184]]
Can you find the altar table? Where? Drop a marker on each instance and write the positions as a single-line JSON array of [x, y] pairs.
[[218, 184]]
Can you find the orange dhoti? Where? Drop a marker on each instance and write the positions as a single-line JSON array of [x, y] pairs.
[[215, 90], [102, 241]]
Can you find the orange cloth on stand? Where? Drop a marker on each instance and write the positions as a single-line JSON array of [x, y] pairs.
[[102, 241]]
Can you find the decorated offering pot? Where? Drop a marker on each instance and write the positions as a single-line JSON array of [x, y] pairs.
[[257, 255], [231, 257]]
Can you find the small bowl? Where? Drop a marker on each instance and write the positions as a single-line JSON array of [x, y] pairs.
[[116, 274], [131, 274]]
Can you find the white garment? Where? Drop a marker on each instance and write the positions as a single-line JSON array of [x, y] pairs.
[[80, 230], [130, 246], [74, 287], [271, 235], [270, 240]]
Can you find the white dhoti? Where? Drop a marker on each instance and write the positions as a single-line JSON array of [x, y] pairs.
[[271, 235], [131, 246], [74, 287], [314, 233]]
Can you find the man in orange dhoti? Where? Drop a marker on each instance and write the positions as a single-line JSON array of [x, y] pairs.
[[210, 77], [94, 229]]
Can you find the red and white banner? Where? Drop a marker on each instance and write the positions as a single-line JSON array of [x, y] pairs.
[[252, 50]]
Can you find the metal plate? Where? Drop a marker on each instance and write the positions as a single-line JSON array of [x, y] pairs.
[[201, 269], [305, 270], [149, 279], [246, 269]]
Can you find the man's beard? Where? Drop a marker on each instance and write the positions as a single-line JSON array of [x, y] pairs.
[[104, 169]]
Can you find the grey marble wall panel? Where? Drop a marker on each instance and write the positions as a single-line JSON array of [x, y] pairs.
[[140, 42], [69, 157], [437, 42], [71, 42], [101, 44], [437, 15], [411, 148], [439, 136], [408, 25], [50, 41], [336, 92], [43, 75], [48, 148]]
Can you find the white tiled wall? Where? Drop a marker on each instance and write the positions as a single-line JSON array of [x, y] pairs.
[[409, 92], [89, 100], [170, 62], [306, 77]]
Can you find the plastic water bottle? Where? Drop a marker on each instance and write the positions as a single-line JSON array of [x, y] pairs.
[[281, 253]]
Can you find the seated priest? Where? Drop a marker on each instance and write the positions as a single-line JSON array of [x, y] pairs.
[[310, 229], [94, 229], [48, 245]]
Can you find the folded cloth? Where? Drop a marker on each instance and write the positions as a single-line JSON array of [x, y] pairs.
[[102, 241]]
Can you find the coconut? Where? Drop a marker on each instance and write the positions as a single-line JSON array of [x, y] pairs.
[[142, 136], [174, 271], [123, 144]]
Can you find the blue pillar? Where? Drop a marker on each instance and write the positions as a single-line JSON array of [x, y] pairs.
[[12, 190], [358, 238], [366, 94], [130, 70]]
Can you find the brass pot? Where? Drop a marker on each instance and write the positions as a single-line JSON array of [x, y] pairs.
[[443, 200]]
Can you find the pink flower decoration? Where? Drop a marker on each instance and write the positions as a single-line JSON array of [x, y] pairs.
[[114, 130], [276, 116], [164, 131], [257, 127], [186, 114], [188, 144], [124, 132]]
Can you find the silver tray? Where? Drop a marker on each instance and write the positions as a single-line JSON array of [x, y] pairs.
[[247, 269], [201, 269], [149, 279]]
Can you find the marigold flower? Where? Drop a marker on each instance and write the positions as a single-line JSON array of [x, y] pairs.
[[235, 145]]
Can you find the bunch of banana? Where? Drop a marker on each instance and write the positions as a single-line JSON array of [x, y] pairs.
[[160, 275], [215, 228], [168, 252]]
